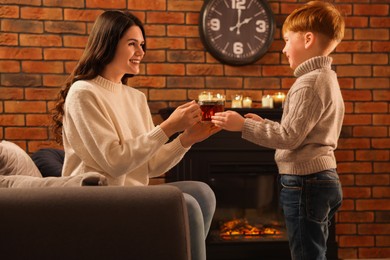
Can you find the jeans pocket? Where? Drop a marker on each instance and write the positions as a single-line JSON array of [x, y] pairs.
[[290, 195], [322, 198]]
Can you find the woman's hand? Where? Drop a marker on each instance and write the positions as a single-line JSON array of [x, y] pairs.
[[228, 120], [182, 118], [197, 133]]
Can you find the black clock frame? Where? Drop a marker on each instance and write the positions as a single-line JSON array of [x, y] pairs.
[[224, 58]]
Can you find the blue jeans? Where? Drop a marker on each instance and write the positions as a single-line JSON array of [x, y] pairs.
[[201, 203], [308, 203]]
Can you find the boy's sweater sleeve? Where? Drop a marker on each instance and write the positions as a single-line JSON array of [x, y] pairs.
[[304, 111]]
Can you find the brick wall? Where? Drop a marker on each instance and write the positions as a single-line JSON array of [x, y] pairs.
[[41, 41]]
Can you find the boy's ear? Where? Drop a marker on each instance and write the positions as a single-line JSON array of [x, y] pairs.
[[309, 39]]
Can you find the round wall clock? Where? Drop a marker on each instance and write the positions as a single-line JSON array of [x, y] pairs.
[[236, 32]]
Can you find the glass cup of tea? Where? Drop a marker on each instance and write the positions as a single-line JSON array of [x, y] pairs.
[[210, 104]]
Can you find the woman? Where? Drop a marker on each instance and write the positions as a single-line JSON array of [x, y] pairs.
[[106, 126]]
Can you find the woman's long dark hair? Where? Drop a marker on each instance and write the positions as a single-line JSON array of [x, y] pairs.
[[108, 29]]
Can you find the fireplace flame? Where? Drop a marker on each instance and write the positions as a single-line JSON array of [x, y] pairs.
[[241, 227]]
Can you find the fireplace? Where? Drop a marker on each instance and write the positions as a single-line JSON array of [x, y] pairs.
[[248, 222]]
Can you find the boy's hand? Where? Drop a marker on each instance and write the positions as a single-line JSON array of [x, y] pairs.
[[228, 120], [254, 117], [197, 133]]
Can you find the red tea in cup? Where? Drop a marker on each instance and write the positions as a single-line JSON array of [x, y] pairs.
[[211, 104], [210, 107]]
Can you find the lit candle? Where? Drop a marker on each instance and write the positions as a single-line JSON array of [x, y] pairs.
[[278, 99], [267, 102], [236, 101], [247, 102]]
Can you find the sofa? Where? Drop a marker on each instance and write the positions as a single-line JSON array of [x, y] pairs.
[[85, 219]]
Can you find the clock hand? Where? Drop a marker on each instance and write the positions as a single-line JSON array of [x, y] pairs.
[[238, 24]]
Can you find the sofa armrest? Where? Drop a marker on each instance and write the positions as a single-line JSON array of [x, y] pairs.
[[94, 223]]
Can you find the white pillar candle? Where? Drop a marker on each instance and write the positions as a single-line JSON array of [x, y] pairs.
[[247, 102], [267, 101]]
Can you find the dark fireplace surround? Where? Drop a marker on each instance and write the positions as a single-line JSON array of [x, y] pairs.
[[244, 178]]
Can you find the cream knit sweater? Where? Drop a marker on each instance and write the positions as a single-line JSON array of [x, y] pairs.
[[308, 133], [108, 129]]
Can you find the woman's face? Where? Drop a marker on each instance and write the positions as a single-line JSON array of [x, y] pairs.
[[129, 52]]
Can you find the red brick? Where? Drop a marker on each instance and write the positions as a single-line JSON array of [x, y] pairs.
[[24, 106], [382, 95], [203, 69], [341, 58], [357, 95], [356, 241], [194, 44], [10, 93], [381, 46], [148, 81], [353, 167], [155, 30], [369, 229], [353, 71], [368, 131], [20, 53], [81, 15], [166, 43], [38, 13], [185, 5], [11, 120], [357, 120], [165, 69], [42, 67], [381, 167], [62, 54], [165, 18], [182, 31], [381, 71], [8, 11], [110, 4], [370, 59], [167, 94], [41, 93], [376, 252], [186, 56], [371, 9], [69, 66], [354, 46], [34, 146], [373, 204], [348, 253], [372, 155], [355, 217], [381, 119], [344, 155], [185, 82], [75, 41], [8, 39], [54, 80], [372, 180], [40, 40], [192, 18], [346, 83], [276, 71], [371, 34], [345, 229], [354, 21], [263, 83], [38, 120], [147, 5], [372, 83], [381, 143], [380, 22], [22, 26], [21, 80], [155, 56], [20, 133], [249, 70], [381, 192], [63, 3], [9, 66], [382, 241], [356, 192], [65, 27], [224, 82]]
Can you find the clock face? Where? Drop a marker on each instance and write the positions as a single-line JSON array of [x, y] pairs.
[[236, 32]]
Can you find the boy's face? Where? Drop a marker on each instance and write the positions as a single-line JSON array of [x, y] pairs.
[[294, 48]]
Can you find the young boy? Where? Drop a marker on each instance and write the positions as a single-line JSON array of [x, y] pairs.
[[308, 133]]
